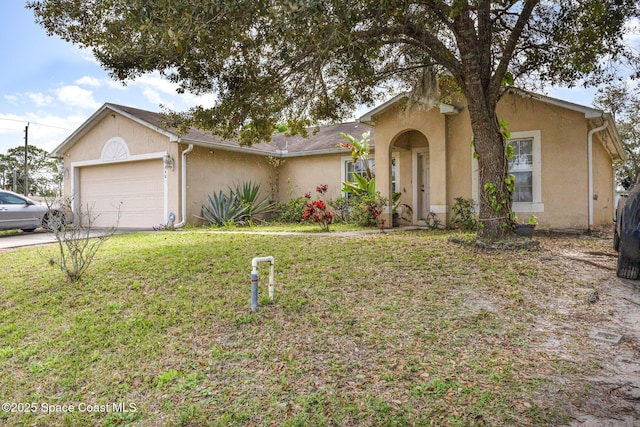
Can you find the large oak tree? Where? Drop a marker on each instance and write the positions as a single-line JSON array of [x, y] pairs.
[[316, 60]]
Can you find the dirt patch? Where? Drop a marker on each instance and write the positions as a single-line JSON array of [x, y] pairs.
[[606, 306]]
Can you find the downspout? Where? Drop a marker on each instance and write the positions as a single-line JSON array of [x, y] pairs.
[[590, 167], [184, 187]]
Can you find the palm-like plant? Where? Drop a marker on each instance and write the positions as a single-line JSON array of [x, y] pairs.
[[221, 209], [248, 194], [242, 204]]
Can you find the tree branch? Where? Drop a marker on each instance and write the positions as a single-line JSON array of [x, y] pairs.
[[510, 46]]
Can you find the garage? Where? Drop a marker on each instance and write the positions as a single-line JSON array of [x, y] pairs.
[[134, 189]]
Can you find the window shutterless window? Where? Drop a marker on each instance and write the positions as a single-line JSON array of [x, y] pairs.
[[521, 167], [358, 168], [526, 166]]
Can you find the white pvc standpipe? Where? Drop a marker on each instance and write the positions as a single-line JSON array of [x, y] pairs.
[[254, 279]]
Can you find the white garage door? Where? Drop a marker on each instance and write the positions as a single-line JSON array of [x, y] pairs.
[[135, 189]]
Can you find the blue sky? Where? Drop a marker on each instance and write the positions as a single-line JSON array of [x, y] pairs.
[[55, 87]]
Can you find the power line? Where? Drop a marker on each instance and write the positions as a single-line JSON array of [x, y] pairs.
[[34, 123]]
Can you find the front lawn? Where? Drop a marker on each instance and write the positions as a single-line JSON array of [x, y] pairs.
[[403, 328]]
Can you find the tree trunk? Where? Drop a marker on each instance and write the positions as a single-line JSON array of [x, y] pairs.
[[495, 199]]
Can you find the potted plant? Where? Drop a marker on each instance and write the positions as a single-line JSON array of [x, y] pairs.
[[399, 210], [526, 229]]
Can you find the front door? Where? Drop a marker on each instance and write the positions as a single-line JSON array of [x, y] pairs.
[[422, 184]]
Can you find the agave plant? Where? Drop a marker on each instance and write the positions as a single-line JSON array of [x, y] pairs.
[[220, 210], [248, 195]]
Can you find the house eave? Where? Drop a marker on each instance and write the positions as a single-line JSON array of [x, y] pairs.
[[60, 150], [259, 152], [226, 147], [611, 141], [316, 152], [370, 117], [589, 112]]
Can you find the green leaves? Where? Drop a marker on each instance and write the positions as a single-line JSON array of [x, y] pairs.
[[222, 209], [273, 61], [241, 204], [361, 186]]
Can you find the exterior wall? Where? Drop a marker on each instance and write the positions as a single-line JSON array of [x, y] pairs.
[[460, 164], [299, 175], [140, 141], [452, 173], [211, 170], [563, 160], [389, 126], [563, 137], [603, 185]]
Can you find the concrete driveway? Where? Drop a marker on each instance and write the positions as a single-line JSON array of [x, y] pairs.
[[42, 237], [21, 239]]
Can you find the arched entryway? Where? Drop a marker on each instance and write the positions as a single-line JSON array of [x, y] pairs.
[[410, 176]]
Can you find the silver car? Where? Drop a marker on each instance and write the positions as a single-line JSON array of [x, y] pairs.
[[20, 213]]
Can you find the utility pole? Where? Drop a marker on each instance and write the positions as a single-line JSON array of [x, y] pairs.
[[26, 150]]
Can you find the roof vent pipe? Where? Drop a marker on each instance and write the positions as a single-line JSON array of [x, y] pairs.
[[590, 167], [184, 187]]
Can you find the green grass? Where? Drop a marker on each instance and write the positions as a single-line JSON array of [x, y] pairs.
[[304, 227], [401, 328]]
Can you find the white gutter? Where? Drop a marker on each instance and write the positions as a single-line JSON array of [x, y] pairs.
[[184, 187], [590, 166]]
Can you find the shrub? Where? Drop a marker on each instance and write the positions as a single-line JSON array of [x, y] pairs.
[[317, 210], [463, 214], [342, 207], [78, 243], [367, 209], [290, 211]]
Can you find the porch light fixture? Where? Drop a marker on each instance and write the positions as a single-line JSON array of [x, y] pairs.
[[168, 161]]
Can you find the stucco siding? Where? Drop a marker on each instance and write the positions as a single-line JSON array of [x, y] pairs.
[[391, 127], [603, 185], [300, 175], [563, 140], [432, 150], [212, 170], [459, 165]]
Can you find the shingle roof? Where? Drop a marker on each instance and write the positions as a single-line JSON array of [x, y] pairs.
[[325, 139]]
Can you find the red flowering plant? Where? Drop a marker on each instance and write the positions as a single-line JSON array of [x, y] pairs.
[[316, 210]]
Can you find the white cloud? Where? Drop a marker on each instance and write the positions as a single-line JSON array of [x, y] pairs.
[[206, 100], [46, 131], [89, 81], [12, 125], [114, 84], [76, 96], [154, 97], [40, 99], [155, 82], [11, 99], [158, 90]]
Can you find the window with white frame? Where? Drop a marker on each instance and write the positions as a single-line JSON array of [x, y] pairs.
[[358, 168], [526, 166], [521, 167], [349, 168]]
